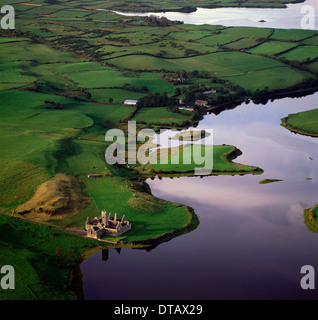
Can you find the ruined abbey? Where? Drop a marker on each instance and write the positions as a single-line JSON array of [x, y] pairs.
[[107, 225]]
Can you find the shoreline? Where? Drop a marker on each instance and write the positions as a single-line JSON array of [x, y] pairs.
[[193, 220], [297, 130], [191, 9], [310, 219]]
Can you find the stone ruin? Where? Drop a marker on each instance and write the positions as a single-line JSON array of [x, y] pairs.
[[106, 225]]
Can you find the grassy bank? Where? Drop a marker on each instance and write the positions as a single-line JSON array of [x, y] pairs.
[[45, 260], [305, 123], [311, 218], [65, 73], [184, 161]]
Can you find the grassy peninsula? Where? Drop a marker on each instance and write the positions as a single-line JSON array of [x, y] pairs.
[[65, 72], [305, 123], [173, 163]]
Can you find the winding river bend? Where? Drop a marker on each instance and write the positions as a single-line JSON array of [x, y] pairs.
[[251, 242]]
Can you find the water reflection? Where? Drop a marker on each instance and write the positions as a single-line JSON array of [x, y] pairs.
[[285, 18], [251, 241]]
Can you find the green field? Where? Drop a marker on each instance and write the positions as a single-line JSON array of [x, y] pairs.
[[34, 251], [305, 123], [302, 53], [150, 115], [64, 74], [185, 160]]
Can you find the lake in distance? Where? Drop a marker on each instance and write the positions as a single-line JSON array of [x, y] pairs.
[[251, 241]]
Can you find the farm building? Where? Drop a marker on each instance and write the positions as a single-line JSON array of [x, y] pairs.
[[130, 102]]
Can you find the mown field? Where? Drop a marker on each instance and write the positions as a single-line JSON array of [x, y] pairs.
[[64, 75]]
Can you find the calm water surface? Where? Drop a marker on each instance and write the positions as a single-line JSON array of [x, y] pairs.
[[251, 241], [285, 18]]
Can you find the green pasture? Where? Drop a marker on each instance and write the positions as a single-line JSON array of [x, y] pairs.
[[112, 78], [33, 51], [301, 53], [273, 47], [159, 114], [189, 157], [32, 250], [292, 34], [52, 124], [271, 78], [118, 95]]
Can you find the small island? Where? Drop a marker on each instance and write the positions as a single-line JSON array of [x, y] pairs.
[[266, 181]]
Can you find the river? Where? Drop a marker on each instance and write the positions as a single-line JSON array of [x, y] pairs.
[[251, 242]]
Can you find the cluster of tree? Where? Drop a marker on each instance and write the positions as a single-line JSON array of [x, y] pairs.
[[51, 1], [156, 100], [118, 39], [178, 77], [35, 87], [55, 105], [160, 22], [230, 86], [78, 45], [99, 33], [191, 52], [135, 88], [225, 93], [192, 93], [224, 98], [183, 124]]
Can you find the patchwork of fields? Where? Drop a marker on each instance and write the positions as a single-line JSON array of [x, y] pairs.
[[67, 69], [64, 75]]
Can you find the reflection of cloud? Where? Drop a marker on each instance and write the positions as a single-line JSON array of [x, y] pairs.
[[296, 213], [233, 195], [278, 203]]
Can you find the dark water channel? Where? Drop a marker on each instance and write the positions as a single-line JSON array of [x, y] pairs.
[[251, 242]]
